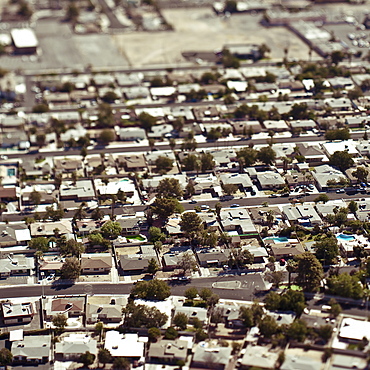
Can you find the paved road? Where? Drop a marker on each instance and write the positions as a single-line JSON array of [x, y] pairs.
[[124, 147]]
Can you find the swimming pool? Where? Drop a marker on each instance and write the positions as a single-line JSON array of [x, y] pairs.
[[281, 239], [345, 237]]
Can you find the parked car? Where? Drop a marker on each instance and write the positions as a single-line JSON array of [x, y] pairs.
[[235, 205]]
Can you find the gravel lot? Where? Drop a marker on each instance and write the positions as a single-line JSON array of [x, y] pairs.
[[200, 29]]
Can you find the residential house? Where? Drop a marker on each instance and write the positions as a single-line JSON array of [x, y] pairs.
[[304, 215], [241, 180], [152, 184], [224, 159], [354, 180], [292, 362], [284, 249], [363, 147], [96, 263], [246, 127], [215, 358], [270, 180], [304, 125], [160, 131], [104, 309], [62, 227], [313, 154], [345, 362], [357, 121], [294, 178], [207, 183], [67, 165], [210, 221], [131, 79], [71, 307], [35, 349], [171, 259], [212, 257], [259, 356], [83, 190], [348, 146], [72, 346], [114, 186], [33, 168], [168, 351], [339, 105], [128, 345], [8, 194], [193, 313], [136, 92], [330, 207], [173, 226], [204, 113], [17, 313], [131, 133], [237, 219], [151, 157], [51, 265], [276, 126], [14, 234], [85, 227], [325, 173], [16, 265], [230, 315], [132, 163], [130, 225], [134, 263], [9, 172]]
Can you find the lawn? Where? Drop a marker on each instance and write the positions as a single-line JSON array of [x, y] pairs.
[[292, 287], [136, 237]]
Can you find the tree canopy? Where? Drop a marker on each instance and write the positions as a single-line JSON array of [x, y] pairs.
[[111, 230], [71, 268], [309, 272], [169, 188], [137, 316], [327, 250], [165, 207], [157, 290], [341, 159], [191, 224]]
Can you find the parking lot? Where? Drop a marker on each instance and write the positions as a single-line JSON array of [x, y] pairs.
[[200, 29]]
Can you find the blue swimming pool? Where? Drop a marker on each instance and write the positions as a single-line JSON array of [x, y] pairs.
[[281, 239], [345, 237]]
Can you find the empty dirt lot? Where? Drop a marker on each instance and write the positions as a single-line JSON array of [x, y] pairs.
[[200, 29]]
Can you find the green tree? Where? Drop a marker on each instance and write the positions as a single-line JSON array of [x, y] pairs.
[[266, 155], [337, 56], [59, 321], [327, 250], [171, 333], [205, 293], [154, 334], [268, 327], [309, 272], [147, 121], [155, 289], [156, 234], [246, 316], [109, 97], [248, 156], [300, 111], [263, 49], [40, 108], [180, 321], [71, 248], [191, 293], [71, 268], [335, 309], [111, 230], [229, 189], [322, 198], [87, 358], [35, 197], [361, 174], [106, 136], [163, 164], [341, 159], [187, 262], [40, 244], [339, 134], [165, 207], [207, 162], [121, 363], [105, 116], [97, 214], [297, 330], [24, 10], [152, 266], [275, 277], [325, 332], [6, 357], [104, 356], [169, 188], [230, 6], [352, 206], [191, 224], [137, 316], [355, 93], [345, 285], [72, 12]]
